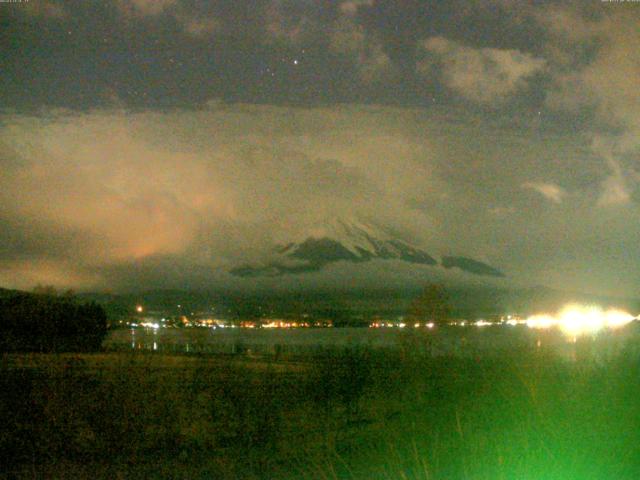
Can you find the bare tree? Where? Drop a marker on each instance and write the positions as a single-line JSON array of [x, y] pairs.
[[432, 305]]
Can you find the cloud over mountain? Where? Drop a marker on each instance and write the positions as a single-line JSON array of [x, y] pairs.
[[154, 142], [550, 191]]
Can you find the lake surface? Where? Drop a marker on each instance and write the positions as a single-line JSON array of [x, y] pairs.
[[462, 341]]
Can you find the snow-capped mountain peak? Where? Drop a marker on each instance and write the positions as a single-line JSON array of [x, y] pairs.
[[354, 241], [356, 236], [339, 240]]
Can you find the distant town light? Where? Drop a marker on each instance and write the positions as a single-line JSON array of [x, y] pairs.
[[482, 323]]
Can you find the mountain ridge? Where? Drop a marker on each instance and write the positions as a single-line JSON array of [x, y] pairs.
[[354, 242]]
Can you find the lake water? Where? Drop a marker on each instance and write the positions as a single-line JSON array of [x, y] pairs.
[[460, 341]]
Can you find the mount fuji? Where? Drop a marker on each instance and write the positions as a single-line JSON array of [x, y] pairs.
[[355, 242]]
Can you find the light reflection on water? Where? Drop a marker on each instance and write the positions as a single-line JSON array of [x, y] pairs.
[[440, 341]]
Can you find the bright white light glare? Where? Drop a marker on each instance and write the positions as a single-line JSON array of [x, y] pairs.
[[541, 321], [576, 320], [482, 323], [617, 318]]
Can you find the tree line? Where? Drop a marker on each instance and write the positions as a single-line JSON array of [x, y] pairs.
[[45, 321]]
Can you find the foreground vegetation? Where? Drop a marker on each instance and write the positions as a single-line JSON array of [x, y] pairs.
[[354, 413], [45, 321]]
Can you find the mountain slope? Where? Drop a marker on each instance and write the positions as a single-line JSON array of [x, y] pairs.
[[471, 266], [336, 241], [353, 242]]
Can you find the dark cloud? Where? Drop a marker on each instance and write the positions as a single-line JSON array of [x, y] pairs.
[[178, 52], [143, 139]]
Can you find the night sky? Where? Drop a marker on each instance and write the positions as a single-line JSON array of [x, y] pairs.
[[149, 144]]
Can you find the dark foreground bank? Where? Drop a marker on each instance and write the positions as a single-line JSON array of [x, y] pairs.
[[350, 413]]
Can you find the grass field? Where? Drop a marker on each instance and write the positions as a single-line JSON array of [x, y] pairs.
[[350, 413]]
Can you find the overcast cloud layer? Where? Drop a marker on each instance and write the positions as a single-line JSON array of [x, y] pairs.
[[159, 143]]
